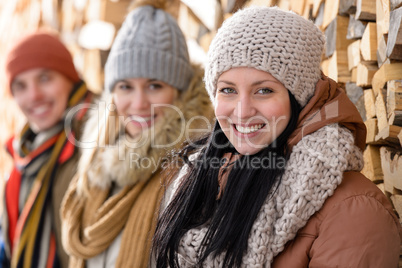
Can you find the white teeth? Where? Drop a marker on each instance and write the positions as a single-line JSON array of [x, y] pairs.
[[41, 109], [140, 118], [247, 130]]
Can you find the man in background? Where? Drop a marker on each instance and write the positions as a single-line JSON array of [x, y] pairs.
[[45, 84]]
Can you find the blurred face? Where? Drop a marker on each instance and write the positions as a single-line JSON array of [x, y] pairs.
[[252, 108], [142, 102], [42, 95]]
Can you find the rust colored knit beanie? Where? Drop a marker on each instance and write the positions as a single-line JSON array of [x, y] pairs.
[[39, 50]]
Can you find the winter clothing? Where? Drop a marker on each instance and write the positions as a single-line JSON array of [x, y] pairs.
[[149, 44], [40, 50], [45, 162], [272, 40], [123, 189], [324, 210]]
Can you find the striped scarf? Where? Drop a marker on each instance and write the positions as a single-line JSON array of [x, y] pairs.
[[30, 230]]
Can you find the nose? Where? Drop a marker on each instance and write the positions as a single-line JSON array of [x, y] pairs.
[[245, 108], [140, 100], [35, 92]]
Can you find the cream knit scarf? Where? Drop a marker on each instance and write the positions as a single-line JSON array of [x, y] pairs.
[[313, 172]]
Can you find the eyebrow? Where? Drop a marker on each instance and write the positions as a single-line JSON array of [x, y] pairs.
[[259, 82]]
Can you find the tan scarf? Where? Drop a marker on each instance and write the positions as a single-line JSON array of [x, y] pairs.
[[105, 217]]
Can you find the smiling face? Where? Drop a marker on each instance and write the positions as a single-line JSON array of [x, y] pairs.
[[42, 95], [142, 101], [252, 108]]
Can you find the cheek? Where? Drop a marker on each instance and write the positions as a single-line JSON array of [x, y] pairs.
[[120, 103]]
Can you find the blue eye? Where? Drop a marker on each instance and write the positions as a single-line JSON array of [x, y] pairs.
[[264, 91], [227, 90]]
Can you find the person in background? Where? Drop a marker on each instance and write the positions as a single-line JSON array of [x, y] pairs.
[[152, 94], [46, 86], [287, 191]]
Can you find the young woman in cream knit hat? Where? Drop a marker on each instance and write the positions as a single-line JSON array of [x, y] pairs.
[[151, 93], [277, 182]]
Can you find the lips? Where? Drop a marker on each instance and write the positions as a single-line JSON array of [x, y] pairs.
[[248, 129]]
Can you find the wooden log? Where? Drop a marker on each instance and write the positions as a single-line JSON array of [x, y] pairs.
[[50, 15], [391, 164], [109, 11], [394, 42], [330, 12], [208, 12], [389, 135], [338, 67], [382, 52], [395, 4], [394, 102], [365, 73], [382, 19], [341, 31], [400, 137], [396, 200], [394, 95], [369, 103], [355, 28], [372, 164], [353, 77], [395, 118], [317, 4], [381, 110], [189, 23], [308, 9], [354, 92], [69, 17], [365, 10], [206, 39], [386, 73], [372, 130], [297, 6], [93, 69], [368, 44], [336, 48], [354, 56], [320, 16], [347, 7]]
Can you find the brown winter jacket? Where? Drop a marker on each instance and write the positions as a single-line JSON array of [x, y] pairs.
[[336, 235]]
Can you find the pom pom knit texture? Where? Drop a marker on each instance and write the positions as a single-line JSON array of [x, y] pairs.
[[312, 174], [269, 39]]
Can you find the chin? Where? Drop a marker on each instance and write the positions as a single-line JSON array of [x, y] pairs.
[[247, 150]]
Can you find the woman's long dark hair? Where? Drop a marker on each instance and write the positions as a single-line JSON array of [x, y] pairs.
[[231, 217]]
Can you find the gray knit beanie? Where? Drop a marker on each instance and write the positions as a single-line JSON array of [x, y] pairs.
[[149, 44], [282, 43]]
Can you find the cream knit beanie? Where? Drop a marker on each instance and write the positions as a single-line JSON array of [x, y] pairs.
[[282, 43], [149, 44]]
